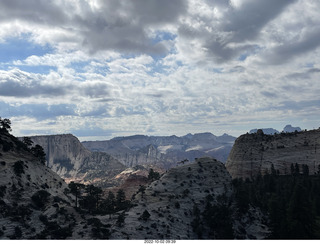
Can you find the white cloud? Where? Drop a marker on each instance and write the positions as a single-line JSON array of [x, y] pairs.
[[161, 67]]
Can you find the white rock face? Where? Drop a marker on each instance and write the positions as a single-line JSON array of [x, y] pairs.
[[72, 161], [170, 201], [255, 153], [164, 151]]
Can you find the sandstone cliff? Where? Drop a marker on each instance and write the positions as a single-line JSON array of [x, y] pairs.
[[255, 153], [72, 161]]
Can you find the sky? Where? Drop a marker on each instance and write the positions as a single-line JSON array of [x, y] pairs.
[[100, 69]]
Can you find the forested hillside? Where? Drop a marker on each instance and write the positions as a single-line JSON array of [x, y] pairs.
[[292, 202]]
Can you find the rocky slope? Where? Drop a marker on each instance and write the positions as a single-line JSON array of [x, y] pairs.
[[72, 161], [164, 151], [255, 153], [173, 207], [29, 191], [35, 204]]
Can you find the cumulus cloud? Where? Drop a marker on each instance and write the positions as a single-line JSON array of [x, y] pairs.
[[16, 83], [150, 66]]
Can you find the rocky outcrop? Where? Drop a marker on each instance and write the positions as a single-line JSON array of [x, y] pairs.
[[254, 154], [72, 161], [173, 206], [28, 190], [164, 151]]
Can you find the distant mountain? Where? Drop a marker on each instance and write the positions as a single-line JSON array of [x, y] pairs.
[[267, 131], [271, 131], [67, 157], [289, 129], [165, 151]]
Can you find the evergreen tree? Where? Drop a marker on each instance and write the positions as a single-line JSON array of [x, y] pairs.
[[5, 125], [38, 151], [75, 189], [27, 141], [300, 215], [305, 170]]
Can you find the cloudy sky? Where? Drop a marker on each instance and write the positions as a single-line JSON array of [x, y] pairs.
[[100, 69]]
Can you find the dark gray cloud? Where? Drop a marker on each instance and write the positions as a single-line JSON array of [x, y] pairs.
[[246, 22], [123, 25], [224, 40], [293, 48], [35, 11], [240, 25], [117, 24]]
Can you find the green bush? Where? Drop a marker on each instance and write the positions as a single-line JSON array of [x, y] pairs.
[[40, 198], [2, 191], [18, 168], [145, 215]]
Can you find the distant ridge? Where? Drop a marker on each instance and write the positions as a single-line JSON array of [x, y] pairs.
[[164, 151]]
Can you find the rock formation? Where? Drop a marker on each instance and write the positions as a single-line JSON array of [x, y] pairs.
[[271, 131], [254, 154], [166, 209], [28, 190], [267, 131], [164, 151], [72, 161], [36, 203], [289, 129]]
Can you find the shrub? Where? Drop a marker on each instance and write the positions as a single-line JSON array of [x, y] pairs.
[[145, 215], [177, 204], [2, 191], [120, 219], [18, 168], [40, 198], [38, 151], [7, 146], [17, 232]]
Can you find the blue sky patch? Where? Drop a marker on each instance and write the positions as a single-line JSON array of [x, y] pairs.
[[20, 49]]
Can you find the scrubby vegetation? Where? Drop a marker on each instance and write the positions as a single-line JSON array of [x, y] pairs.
[[40, 198], [18, 168], [292, 202], [89, 198]]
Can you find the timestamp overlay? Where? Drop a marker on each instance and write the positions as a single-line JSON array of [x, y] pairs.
[[160, 241]]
